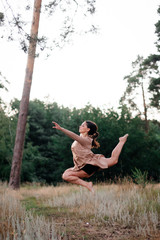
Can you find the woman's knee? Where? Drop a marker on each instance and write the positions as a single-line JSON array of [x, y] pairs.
[[65, 175]]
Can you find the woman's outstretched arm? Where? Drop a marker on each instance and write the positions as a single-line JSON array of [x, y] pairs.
[[71, 134]]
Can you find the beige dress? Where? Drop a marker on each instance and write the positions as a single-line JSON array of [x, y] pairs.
[[83, 155]]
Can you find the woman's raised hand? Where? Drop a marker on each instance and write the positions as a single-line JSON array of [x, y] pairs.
[[57, 126]]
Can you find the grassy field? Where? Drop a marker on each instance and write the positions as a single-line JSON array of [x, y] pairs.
[[123, 211]]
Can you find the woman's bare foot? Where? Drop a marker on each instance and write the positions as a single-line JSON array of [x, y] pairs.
[[90, 187], [124, 138]]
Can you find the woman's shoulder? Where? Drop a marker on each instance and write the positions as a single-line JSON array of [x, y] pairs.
[[88, 139]]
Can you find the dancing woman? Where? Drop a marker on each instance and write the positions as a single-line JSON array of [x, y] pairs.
[[86, 163]]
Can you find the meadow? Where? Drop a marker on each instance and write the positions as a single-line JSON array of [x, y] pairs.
[[121, 211]]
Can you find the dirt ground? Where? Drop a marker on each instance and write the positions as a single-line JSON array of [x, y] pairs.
[[69, 228]]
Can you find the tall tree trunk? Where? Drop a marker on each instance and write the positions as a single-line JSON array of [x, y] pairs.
[[145, 109], [14, 182]]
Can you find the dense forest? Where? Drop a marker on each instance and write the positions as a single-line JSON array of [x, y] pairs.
[[47, 152]]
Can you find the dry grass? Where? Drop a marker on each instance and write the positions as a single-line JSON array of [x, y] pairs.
[[116, 211], [16, 223]]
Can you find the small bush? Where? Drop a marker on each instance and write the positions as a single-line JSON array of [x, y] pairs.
[[139, 177]]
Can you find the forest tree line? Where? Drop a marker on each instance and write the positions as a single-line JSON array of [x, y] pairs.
[[47, 152]]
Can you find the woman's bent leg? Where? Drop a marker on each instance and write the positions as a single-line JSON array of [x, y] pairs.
[[76, 177], [116, 151]]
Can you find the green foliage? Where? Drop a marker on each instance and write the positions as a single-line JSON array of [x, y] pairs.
[[157, 25], [7, 136], [136, 95], [3, 83], [145, 71], [154, 87], [139, 177], [151, 63], [1, 18], [47, 152]]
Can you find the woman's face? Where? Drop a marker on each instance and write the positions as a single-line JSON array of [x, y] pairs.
[[83, 128]]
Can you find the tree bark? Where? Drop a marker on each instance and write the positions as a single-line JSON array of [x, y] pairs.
[[145, 110], [14, 182]]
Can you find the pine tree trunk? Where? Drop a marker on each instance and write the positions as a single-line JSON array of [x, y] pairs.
[[145, 110], [14, 182]]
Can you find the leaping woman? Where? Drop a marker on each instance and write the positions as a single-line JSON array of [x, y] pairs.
[[86, 163]]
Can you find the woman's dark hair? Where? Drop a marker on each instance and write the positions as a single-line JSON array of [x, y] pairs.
[[93, 132]]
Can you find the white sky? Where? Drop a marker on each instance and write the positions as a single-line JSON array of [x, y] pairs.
[[92, 68]]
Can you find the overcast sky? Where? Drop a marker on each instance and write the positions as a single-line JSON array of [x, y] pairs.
[[91, 69]]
